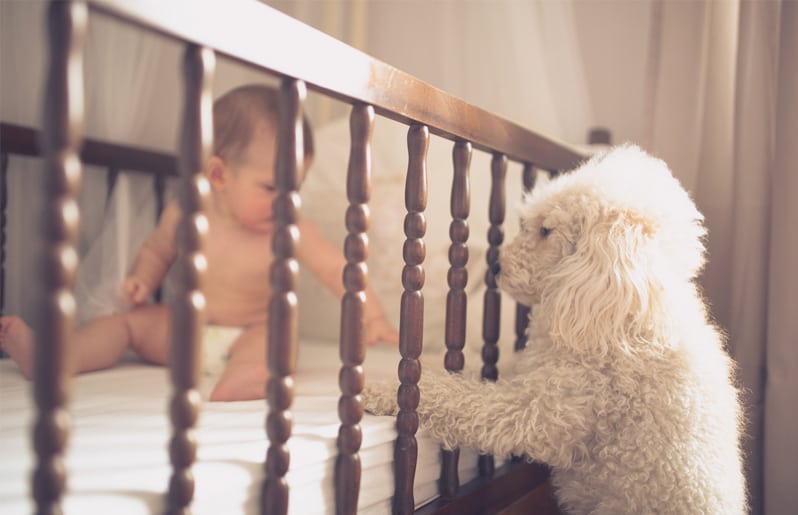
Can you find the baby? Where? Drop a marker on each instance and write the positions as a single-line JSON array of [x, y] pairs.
[[238, 253]]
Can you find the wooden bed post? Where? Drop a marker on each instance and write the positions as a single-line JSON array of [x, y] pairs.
[[61, 140], [188, 307], [521, 311], [411, 319], [283, 309], [456, 299], [492, 308], [353, 335]]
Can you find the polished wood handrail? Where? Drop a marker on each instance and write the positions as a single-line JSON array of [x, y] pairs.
[[352, 76]]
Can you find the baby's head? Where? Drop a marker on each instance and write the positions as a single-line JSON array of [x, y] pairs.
[[241, 170], [241, 113]]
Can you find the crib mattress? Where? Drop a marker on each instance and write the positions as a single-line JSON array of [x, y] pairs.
[[117, 458]]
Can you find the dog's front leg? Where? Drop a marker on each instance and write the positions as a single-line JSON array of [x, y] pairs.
[[502, 418]]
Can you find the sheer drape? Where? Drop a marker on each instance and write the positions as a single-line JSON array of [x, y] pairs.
[[723, 95]]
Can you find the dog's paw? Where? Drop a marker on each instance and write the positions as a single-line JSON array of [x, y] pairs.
[[380, 398]]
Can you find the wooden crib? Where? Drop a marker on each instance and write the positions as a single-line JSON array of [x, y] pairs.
[[372, 88]]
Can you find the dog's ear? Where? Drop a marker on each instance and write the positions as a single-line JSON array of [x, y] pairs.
[[608, 288]]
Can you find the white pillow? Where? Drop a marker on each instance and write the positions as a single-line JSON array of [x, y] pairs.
[[324, 203]]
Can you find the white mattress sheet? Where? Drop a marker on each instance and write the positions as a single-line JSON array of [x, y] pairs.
[[117, 458]]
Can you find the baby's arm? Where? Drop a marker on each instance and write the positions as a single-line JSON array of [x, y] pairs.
[[327, 263], [155, 257]]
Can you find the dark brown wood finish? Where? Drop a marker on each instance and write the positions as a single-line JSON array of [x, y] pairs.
[[63, 127], [485, 496], [353, 334], [188, 306], [408, 99], [456, 299], [492, 308], [17, 139], [283, 308], [521, 311], [411, 319], [3, 206]]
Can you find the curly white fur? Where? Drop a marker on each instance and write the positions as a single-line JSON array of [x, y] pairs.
[[624, 387]]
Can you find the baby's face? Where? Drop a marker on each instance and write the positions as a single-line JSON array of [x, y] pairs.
[[250, 189]]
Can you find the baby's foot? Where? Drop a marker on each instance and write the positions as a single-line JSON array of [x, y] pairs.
[[16, 339]]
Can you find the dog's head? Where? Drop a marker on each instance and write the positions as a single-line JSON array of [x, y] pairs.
[[597, 246]]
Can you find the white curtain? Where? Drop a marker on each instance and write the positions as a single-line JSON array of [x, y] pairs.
[[722, 95]]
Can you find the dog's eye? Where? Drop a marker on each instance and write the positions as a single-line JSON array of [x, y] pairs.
[[545, 231]]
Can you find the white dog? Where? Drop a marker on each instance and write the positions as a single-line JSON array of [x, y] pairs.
[[624, 388]]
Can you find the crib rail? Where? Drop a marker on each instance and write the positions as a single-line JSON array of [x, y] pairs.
[[25, 141], [264, 38], [291, 48]]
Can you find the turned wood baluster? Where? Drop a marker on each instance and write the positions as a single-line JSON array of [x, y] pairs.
[[283, 314], [492, 306], [353, 335], [3, 204], [521, 311], [61, 139], [159, 189], [411, 319], [188, 306], [456, 299]]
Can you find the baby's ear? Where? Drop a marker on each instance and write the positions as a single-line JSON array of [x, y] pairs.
[[216, 172]]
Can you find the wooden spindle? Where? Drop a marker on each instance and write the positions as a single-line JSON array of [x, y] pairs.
[[283, 307], [521, 311], [111, 175], [492, 307], [188, 305], [3, 206], [411, 319], [353, 334], [456, 299], [158, 188], [61, 139]]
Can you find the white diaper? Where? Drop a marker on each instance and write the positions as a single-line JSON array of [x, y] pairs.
[[217, 340]]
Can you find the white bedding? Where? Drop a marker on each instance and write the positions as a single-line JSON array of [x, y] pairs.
[[117, 458]]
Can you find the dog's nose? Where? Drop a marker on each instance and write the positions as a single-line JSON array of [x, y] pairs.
[[495, 268]]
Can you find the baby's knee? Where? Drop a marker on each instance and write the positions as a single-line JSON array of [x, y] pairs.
[[148, 332], [241, 383]]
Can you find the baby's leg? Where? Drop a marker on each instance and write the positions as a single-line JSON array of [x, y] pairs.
[[244, 378], [95, 345], [150, 336], [16, 339], [99, 343]]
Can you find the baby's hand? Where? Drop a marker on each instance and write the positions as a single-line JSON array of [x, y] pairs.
[[379, 330], [136, 290]]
